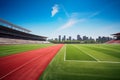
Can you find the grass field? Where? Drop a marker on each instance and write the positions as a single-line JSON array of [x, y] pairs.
[[85, 62], [13, 49]]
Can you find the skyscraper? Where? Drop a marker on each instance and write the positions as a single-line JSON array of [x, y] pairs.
[[64, 38], [70, 38], [78, 37], [59, 38], [85, 38]]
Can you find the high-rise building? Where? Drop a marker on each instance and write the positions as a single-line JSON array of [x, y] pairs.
[[56, 39], [103, 39], [78, 37], [91, 38], [70, 38], [59, 38], [85, 38], [64, 38]]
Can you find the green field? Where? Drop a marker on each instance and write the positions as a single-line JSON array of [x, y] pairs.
[[85, 62], [13, 49]]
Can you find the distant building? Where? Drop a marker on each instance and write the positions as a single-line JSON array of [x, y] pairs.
[[78, 37], [70, 38], [59, 38], [64, 38], [56, 39], [103, 39], [73, 39], [85, 38]]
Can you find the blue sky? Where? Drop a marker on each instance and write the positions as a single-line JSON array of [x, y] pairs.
[[64, 17]]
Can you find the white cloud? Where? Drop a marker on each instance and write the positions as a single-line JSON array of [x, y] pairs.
[[94, 14], [55, 9], [73, 19], [71, 22]]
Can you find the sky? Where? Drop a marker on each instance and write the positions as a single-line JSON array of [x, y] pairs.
[[51, 18]]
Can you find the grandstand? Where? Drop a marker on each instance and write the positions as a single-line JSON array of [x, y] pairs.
[[13, 34], [116, 40], [117, 35]]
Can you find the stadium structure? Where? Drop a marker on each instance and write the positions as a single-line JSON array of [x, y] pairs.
[[116, 40], [14, 34]]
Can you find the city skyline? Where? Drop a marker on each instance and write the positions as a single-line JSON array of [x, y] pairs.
[[50, 18], [80, 38]]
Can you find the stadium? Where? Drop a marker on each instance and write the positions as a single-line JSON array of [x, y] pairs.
[[59, 40], [23, 54], [13, 34]]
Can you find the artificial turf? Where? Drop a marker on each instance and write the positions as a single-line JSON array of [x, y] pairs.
[[74, 53], [14, 49], [61, 69]]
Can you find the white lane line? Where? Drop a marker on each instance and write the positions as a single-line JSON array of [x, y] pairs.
[[94, 61], [18, 68], [88, 54], [65, 53]]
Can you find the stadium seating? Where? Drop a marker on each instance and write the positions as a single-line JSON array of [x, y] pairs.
[[113, 42], [12, 36], [19, 41]]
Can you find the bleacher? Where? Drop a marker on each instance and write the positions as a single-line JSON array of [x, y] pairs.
[[113, 42], [116, 40], [9, 35], [19, 41]]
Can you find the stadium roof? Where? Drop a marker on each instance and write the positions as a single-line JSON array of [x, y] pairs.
[[13, 25], [116, 33], [7, 32]]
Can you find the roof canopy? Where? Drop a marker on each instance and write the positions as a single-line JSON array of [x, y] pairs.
[[116, 34], [13, 25]]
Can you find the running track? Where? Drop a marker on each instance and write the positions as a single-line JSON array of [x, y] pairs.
[[27, 65]]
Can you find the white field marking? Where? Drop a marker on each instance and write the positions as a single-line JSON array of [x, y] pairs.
[[80, 61], [56, 55], [108, 62], [87, 61], [65, 53], [93, 61], [88, 54], [20, 67]]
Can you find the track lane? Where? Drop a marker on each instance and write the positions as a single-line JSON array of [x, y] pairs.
[[34, 69], [12, 62]]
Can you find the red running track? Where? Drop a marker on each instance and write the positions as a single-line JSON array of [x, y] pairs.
[[27, 65]]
